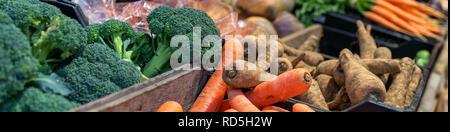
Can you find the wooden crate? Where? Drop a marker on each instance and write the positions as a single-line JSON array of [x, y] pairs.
[[178, 85]]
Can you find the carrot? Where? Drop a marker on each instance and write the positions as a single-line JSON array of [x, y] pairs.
[[271, 107], [239, 102], [212, 95], [170, 106], [434, 29], [426, 32], [231, 110], [299, 107], [396, 20], [225, 105], [285, 86], [399, 12], [418, 6], [269, 111]]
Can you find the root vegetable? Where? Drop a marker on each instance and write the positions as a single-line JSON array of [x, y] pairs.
[[302, 108], [341, 101], [298, 59], [311, 58], [284, 65], [231, 110], [339, 75], [383, 53], [327, 67], [271, 107], [239, 102], [170, 106], [367, 44], [396, 95], [286, 24], [311, 44], [412, 87], [328, 87], [265, 8], [212, 95], [310, 69], [263, 22], [313, 96], [360, 83], [381, 66], [283, 87], [247, 76]]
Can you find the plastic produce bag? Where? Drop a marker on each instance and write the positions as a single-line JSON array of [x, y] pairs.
[[135, 13]]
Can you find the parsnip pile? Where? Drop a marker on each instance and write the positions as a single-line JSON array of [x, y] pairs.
[[353, 78]]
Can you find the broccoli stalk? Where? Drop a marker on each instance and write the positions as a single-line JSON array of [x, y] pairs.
[[161, 58], [117, 36]]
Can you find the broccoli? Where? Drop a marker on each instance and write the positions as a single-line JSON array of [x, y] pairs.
[[96, 72], [166, 22], [4, 18], [17, 64], [141, 50], [54, 37], [117, 36], [34, 100], [93, 33]]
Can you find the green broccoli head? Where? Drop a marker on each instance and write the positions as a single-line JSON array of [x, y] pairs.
[[97, 72], [53, 36], [93, 33], [141, 48], [34, 100], [166, 22], [116, 34], [5, 19], [17, 62]]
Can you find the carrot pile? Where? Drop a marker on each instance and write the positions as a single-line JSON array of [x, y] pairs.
[[405, 16]]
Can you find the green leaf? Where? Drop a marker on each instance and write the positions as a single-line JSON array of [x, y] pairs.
[[51, 84]]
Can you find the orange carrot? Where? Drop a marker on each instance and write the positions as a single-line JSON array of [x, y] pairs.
[[424, 31], [225, 105], [170, 106], [269, 111], [399, 12], [231, 110], [271, 107], [380, 20], [433, 29], [302, 108], [418, 6], [212, 95], [239, 102], [283, 87], [396, 20]]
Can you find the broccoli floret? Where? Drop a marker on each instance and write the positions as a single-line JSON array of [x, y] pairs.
[[166, 22], [34, 100], [93, 33], [4, 18], [17, 64], [53, 36], [117, 35], [141, 49], [98, 71]]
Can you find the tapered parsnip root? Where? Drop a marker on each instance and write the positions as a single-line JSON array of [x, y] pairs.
[[383, 53], [311, 58], [327, 67], [328, 87], [367, 44], [242, 74], [360, 83], [396, 95], [311, 44], [313, 96], [340, 102], [412, 87], [284, 65]]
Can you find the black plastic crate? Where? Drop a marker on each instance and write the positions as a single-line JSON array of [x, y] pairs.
[[70, 9]]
